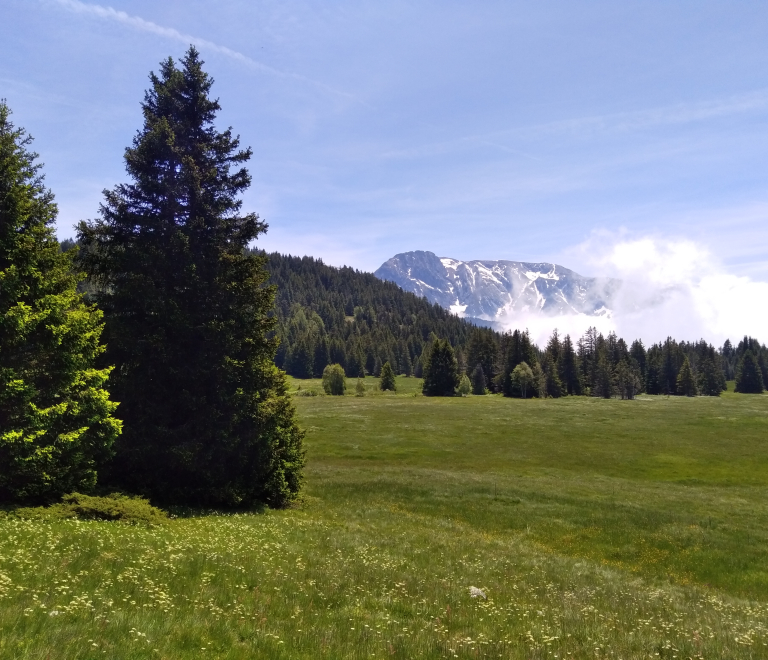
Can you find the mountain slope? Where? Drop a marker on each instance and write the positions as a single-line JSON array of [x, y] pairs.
[[498, 290]]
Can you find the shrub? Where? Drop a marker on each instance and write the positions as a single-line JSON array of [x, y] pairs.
[[125, 508], [360, 387], [465, 387], [334, 380]]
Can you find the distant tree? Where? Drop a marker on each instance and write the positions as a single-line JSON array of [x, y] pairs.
[[653, 377], [377, 367], [56, 423], [189, 316], [441, 372], [626, 378], [568, 368], [522, 378], [478, 380], [686, 383], [417, 369], [603, 380], [749, 380], [539, 380], [360, 387], [334, 380], [519, 348], [709, 381], [483, 350], [554, 386], [387, 381], [465, 386], [637, 352]]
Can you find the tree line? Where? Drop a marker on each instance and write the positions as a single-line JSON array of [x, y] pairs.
[[341, 316]]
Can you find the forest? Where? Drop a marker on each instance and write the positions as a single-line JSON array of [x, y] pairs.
[[327, 315]]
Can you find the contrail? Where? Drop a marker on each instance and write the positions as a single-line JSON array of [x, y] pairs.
[[139, 23]]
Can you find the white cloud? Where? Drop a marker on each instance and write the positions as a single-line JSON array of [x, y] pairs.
[[670, 287], [143, 25]]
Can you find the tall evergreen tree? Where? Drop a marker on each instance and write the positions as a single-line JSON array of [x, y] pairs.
[[387, 381], [56, 424], [441, 372], [568, 368], [749, 380], [207, 416], [478, 380], [686, 383]]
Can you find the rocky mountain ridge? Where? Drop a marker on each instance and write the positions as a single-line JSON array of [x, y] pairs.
[[499, 291]]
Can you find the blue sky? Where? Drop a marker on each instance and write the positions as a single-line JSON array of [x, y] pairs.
[[509, 130]]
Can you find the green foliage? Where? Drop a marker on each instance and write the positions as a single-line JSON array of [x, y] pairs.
[[56, 424], [686, 383], [711, 380], [365, 321], [478, 380], [522, 378], [124, 508], [387, 382], [517, 348], [208, 420], [334, 380], [749, 379], [360, 387], [465, 386], [441, 371]]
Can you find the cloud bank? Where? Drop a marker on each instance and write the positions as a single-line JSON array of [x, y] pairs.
[[668, 288]]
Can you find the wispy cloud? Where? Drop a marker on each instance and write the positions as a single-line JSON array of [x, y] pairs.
[[583, 127], [138, 23]]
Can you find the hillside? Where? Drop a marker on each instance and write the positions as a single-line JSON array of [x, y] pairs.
[[341, 315]]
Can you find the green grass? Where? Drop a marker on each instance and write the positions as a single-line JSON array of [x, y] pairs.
[[598, 529]]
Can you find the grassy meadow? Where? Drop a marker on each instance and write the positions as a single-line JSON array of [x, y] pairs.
[[594, 529]]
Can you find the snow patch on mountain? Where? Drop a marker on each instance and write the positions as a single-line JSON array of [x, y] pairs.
[[499, 292]]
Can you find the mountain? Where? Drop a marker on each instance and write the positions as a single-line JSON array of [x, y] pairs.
[[498, 291], [340, 315]]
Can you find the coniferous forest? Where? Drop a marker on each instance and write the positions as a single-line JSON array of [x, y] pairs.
[[327, 315]]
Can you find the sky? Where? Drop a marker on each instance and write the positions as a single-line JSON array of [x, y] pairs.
[[570, 132]]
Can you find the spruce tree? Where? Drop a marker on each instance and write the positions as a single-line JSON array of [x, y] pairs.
[[56, 424], [441, 371], [478, 380], [686, 383], [207, 416], [749, 380], [387, 381]]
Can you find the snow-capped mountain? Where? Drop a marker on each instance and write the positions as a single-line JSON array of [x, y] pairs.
[[499, 291]]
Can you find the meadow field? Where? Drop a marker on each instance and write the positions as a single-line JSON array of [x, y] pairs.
[[593, 528]]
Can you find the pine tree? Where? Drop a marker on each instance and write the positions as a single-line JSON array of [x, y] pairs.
[[208, 419], [478, 380], [568, 368], [441, 372], [553, 384], [686, 383], [56, 424], [387, 381], [709, 380], [749, 380]]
